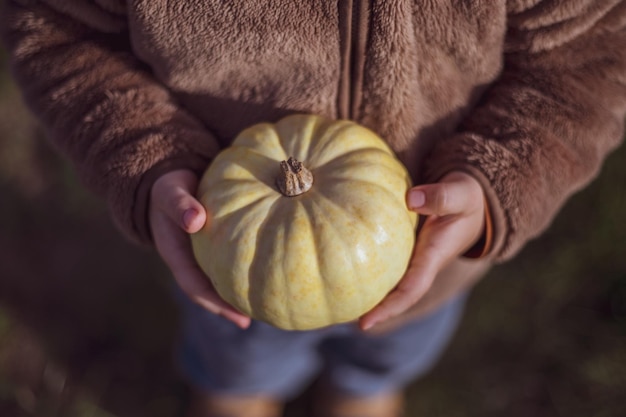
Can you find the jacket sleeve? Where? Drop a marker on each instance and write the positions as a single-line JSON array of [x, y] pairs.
[[119, 127], [541, 132]]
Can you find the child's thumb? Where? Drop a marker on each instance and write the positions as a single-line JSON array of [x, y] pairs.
[[440, 199], [175, 199], [193, 219], [186, 211]]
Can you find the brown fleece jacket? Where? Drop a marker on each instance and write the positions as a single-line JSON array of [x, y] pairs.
[[528, 96]]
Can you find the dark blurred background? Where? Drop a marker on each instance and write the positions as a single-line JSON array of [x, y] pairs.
[[87, 322]]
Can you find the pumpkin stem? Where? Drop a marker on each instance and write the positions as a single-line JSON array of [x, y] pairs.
[[294, 179]]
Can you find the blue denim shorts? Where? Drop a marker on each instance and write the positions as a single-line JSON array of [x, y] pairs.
[[216, 356]]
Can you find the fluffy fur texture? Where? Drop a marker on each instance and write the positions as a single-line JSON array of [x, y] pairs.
[[527, 95]]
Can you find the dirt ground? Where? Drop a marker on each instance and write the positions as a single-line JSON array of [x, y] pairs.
[[87, 322]]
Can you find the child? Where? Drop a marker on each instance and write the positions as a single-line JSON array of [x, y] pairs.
[[500, 110]]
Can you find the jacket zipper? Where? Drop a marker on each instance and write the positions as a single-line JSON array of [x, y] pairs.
[[353, 26]]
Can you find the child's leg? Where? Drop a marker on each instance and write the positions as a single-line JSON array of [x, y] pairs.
[[361, 365]]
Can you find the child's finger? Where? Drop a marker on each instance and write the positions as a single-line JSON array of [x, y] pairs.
[[194, 283], [173, 245], [415, 283], [454, 195]]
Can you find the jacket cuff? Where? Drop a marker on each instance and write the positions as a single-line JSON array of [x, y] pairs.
[[483, 246]]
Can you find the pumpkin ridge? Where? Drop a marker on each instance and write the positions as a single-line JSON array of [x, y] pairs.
[[267, 227], [328, 136], [342, 209], [329, 316], [254, 151], [343, 135], [304, 136], [399, 176], [239, 225], [239, 160], [398, 171], [334, 146], [350, 183], [246, 205], [287, 237], [347, 214], [346, 244], [326, 161], [258, 142], [240, 215]]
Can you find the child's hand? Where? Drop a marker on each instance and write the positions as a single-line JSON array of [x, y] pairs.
[[455, 210], [173, 214]]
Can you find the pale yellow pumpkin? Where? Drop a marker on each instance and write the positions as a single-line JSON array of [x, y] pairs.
[[323, 257]]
